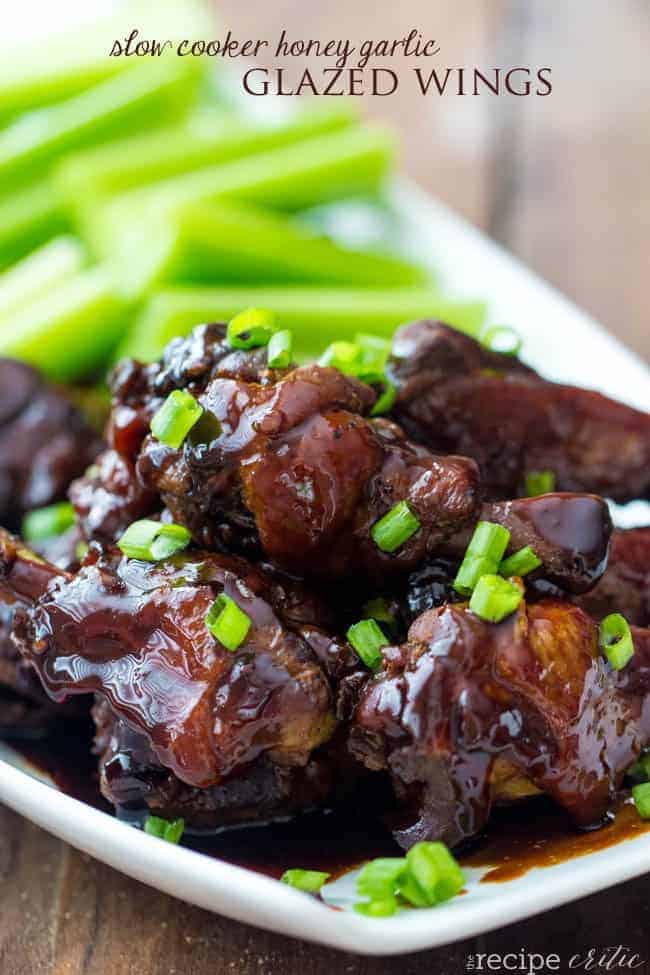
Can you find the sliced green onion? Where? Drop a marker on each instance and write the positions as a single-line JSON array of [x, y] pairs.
[[383, 908], [310, 881], [251, 328], [385, 400], [378, 609], [539, 482], [374, 350], [367, 638], [427, 876], [48, 522], [435, 873], [615, 638], [344, 356], [280, 350], [168, 830], [640, 771], [641, 796], [503, 339], [521, 563], [395, 527], [482, 556], [172, 422], [227, 622], [379, 879], [494, 598], [151, 541]]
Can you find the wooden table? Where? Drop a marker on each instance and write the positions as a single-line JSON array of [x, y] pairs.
[[563, 182]]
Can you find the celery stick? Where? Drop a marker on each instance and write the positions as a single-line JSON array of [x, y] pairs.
[[50, 265], [290, 178], [44, 83], [69, 332], [27, 218], [317, 316], [55, 67], [137, 97], [226, 242], [202, 139]]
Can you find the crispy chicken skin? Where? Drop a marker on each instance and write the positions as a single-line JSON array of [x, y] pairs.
[[456, 396], [532, 691]]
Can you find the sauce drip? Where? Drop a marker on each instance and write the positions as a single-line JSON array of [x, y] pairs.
[[539, 834], [529, 835]]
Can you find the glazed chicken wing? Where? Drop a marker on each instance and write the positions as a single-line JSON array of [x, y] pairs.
[[456, 396], [136, 633], [465, 708]]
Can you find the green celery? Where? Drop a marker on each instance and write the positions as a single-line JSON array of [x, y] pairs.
[[140, 96], [316, 316], [35, 274], [238, 243], [27, 219], [203, 139], [287, 178], [70, 331], [57, 67]]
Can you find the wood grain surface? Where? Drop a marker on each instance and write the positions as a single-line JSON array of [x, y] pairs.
[[563, 182]]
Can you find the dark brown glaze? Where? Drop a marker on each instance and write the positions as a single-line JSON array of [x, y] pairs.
[[300, 473], [135, 783], [456, 396], [625, 586], [136, 633], [523, 839], [531, 692], [44, 442], [111, 496], [570, 533], [25, 708]]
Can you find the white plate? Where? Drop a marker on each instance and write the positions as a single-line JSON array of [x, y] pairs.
[[565, 344]]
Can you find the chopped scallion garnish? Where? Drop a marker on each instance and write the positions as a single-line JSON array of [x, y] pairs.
[[310, 881], [539, 482], [151, 541], [503, 339], [395, 528], [641, 796], [385, 400], [344, 356], [482, 556], [426, 876], [172, 422], [367, 638], [494, 598], [251, 328], [47, 522], [521, 563], [280, 350], [227, 622], [615, 638], [168, 830], [435, 871]]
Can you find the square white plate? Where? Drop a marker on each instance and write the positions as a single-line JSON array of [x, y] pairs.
[[565, 344]]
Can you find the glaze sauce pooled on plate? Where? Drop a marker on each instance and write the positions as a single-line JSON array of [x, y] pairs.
[[534, 833], [537, 833]]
